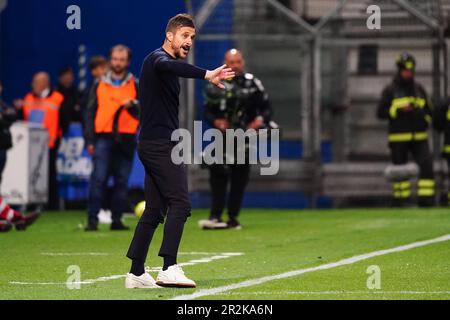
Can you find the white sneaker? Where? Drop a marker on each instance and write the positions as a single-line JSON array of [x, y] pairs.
[[212, 224], [144, 281], [174, 277]]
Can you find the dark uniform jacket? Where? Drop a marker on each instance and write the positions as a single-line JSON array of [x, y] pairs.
[[441, 122], [242, 101], [403, 95], [7, 116]]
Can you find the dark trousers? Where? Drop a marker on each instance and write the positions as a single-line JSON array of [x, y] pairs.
[[448, 168], [166, 196], [237, 176], [2, 162], [53, 190], [109, 160], [421, 154]]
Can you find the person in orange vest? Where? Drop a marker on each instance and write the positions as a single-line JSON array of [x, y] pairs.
[[110, 132], [9, 217], [43, 105]]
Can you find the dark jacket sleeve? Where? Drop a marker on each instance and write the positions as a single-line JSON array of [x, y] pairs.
[[384, 103], [135, 108], [213, 99], [8, 115], [264, 106], [428, 108], [440, 115], [179, 68], [91, 111], [64, 115]]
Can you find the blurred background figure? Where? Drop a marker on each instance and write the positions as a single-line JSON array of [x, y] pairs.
[[98, 66], [244, 104], [71, 111], [441, 123], [9, 216], [43, 105], [110, 131], [405, 104]]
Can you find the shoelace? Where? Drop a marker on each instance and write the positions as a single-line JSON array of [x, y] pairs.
[[178, 268]]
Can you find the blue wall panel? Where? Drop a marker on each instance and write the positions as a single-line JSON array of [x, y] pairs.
[[34, 35]]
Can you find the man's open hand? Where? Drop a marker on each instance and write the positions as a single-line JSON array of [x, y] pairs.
[[219, 74]]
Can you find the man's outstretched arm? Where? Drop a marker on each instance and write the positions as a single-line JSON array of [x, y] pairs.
[[185, 70]]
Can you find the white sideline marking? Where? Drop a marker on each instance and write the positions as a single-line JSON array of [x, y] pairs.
[[214, 256], [253, 282], [224, 255], [75, 254], [330, 292]]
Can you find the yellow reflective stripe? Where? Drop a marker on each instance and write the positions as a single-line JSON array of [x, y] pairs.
[[399, 103], [420, 136], [402, 189], [425, 192], [405, 194], [400, 137], [426, 183], [428, 118], [446, 148], [402, 194], [404, 137], [405, 102], [448, 114], [405, 185], [421, 102]]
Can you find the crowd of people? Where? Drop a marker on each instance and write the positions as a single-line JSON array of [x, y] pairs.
[[55, 107]]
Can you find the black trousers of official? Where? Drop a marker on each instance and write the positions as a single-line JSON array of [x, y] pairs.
[[166, 198], [237, 175], [53, 187], [421, 154], [447, 156]]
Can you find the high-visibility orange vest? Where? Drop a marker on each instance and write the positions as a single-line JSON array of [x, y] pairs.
[[46, 112], [109, 99]]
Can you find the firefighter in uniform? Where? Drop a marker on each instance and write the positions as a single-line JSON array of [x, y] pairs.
[[110, 131], [244, 104], [405, 104]]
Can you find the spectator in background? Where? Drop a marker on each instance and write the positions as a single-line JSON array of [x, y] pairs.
[[71, 111], [244, 104], [9, 216], [43, 105], [441, 123], [110, 130], [98, 66]]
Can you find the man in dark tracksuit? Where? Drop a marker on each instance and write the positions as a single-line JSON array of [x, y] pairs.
[[441, 122], [405, 104], [243, 104], [166, 190]]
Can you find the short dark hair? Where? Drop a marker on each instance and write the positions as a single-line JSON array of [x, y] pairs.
[[97, 61], [179, 21], [121, 47], [64, 70]]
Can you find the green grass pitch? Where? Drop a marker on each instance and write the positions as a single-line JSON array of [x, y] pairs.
[[34, 263]]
